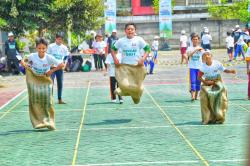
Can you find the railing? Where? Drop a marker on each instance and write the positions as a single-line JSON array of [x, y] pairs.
[[200, 2]]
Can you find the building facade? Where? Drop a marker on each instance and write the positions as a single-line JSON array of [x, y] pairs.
[[188, 15]]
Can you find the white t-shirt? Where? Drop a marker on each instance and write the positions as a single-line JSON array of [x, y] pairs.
[[109, 60], [41, 66], [130, 49], [183, 40], [230, 41], [206, 38], [58, 51], [196, 60], [99, 47], [155, 45], [213, 71]]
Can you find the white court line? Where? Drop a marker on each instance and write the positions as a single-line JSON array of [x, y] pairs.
[[151, 127], [19, 94], [129, 108], [243, 108], [166, 162]]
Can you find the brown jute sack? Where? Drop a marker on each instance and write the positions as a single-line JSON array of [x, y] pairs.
[[41, 104], [130, 79], [214, 103]]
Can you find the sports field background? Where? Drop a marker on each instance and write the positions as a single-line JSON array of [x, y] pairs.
[[163, 129]]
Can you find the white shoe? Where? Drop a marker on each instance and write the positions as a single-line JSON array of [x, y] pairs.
[[121, 101], [113, 101]]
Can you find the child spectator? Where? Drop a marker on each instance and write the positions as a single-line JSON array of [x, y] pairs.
[[230, 46], [113, 82], [183, 46]]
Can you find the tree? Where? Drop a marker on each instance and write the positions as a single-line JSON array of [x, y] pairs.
[[25, 15], [156, 5], [224, 10], [50, 15]]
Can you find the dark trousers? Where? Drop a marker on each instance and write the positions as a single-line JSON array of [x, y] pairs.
[[96, 60], [13, 66], [59, 78], [99, 60], [113, 86]]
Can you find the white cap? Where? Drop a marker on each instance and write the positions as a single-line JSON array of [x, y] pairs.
[[206, 30], [206, 51], [10, 34], [237, 26], [183, 32], [114, 30], [156, 37]]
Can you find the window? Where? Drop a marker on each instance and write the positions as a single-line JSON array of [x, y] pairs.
[[146, 2]]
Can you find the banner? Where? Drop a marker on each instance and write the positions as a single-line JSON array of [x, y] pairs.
[[110, 16], [165, 18]]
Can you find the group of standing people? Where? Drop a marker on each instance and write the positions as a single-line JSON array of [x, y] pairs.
[[204, 72]]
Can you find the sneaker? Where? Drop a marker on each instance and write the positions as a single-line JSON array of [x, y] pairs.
[[121, 101], [113, 101]]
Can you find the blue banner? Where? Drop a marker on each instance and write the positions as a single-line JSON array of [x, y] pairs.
[[165, 18], [110, 16]]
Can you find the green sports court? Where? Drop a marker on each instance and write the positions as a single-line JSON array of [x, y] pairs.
[[163, 129]]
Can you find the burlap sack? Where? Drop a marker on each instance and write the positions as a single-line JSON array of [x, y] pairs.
[[130, 79], [41, 104], [214, 103]]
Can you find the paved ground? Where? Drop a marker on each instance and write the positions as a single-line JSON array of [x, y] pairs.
[[164, 129]]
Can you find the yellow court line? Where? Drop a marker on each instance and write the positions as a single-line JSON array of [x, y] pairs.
[[81, 126], [8, 111], [166, 117]]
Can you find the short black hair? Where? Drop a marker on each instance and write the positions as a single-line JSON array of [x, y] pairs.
[[59, 35], [41, 41], [193, 35], [228, 33], [130, 23]]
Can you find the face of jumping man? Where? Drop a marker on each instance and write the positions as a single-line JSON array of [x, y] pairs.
[[207, 57], [130, 31], [195, 41], [41, 49], [59, 40]]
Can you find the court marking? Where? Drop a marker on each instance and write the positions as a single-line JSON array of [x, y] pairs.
[[19, 94], [9, 110], [81, 126], [166, 162], [166, 117], [129, 108], [245, 109]]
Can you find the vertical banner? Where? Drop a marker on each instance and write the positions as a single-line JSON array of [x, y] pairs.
[[165, 18], [110, 16]]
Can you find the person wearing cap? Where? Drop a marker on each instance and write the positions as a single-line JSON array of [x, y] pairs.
[[213, 95], [183, 47], [12, 50], [239, 42], [194, 63], [111, 40], [99, 47], [155, 48], [202, 33], [60, 52], [230, 46], [206, 40]]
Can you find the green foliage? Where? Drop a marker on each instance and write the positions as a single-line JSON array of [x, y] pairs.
[[21, 45], [156, 6], [237, 10], [50, 16], [2, 22]]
